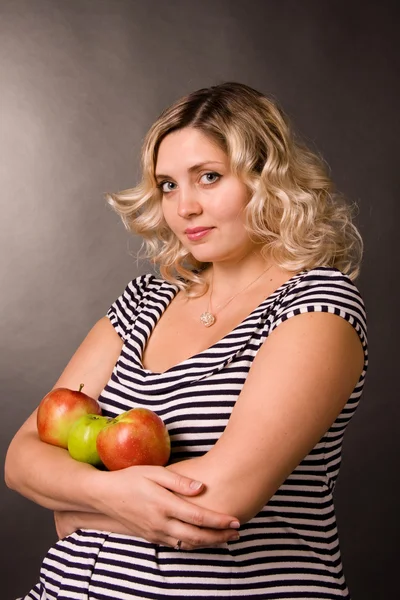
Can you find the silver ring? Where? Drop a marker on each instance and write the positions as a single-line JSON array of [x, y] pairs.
[[178, 545]]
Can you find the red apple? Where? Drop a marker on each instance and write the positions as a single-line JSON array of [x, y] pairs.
[[135, 437], [59, 410]]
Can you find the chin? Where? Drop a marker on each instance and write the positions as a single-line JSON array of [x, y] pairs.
[[210, 258], [209, 255], [204, 257]]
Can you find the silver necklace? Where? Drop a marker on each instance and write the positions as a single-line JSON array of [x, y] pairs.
[[209, 317]]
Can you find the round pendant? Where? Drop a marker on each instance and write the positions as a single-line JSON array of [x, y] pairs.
[[207, 319]]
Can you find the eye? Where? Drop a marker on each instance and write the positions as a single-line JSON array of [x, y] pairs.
[[165, 190], [211, 174]]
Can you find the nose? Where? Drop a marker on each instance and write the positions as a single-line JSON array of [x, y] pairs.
[[188, 205]]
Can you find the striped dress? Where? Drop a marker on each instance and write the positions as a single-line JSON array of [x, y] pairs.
[[290, 549]]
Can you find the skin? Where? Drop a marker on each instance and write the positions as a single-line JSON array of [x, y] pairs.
[[141, 501], [210, 196], [322, 352], [276, 420]]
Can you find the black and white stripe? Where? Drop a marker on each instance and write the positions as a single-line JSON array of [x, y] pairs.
[[290, 549]]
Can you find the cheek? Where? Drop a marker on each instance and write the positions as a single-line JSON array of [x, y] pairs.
[[232, 214], [231, 205], [167, 213]]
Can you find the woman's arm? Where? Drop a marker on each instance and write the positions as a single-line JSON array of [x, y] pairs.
[[143, 505], [299, 382], [140, 499], [67, 522], [43, 473]]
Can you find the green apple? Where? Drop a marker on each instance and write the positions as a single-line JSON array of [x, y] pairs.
[[82, 438]]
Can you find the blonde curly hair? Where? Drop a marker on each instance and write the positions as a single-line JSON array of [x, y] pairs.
[[293, 212]]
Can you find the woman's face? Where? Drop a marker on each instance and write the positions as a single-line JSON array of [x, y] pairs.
[[202, 200]]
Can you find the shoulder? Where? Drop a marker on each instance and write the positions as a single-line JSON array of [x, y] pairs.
[[324, 290], [142, 285], [324, 277], [134, 297], [140, 288]]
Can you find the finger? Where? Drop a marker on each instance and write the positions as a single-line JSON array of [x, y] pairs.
[[174, 482], [187, 512], [193, 538], [182, 485]]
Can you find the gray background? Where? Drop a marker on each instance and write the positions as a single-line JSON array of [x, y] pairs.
[[81, 82]]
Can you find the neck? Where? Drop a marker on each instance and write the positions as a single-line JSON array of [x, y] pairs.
[[228, 279]]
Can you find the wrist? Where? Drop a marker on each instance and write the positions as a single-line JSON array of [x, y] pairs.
[[96, 485]]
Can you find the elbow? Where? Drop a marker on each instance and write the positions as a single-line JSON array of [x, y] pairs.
[[20, 459], [10, 468], [8, 478], [9, 482], [228, 495], [242, 508], [224, 492], [230, 498], [240, 512]]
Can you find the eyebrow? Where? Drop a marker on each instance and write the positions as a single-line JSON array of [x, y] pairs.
[[196, 167]]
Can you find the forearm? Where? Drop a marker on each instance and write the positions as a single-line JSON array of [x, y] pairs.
[[144, 501], [48, 476], [227, 489], [100, 522], [69, 521], [216, 493]]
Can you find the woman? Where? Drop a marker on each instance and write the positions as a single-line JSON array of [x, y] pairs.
[[248, 234]]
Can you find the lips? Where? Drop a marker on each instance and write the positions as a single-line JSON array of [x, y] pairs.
[[196, 230], [197, 233]]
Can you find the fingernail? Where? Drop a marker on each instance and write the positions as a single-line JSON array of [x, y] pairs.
[[195, 485], [234, 538], [234, 524]]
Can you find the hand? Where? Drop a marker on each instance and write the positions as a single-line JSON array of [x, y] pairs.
[[148, 501]]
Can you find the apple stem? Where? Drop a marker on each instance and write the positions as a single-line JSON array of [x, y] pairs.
[[81, 386]]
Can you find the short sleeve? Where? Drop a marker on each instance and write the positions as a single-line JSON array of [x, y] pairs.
[[122, 313], [325, 289]]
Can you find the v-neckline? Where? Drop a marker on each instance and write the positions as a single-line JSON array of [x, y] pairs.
[[167, 286]]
